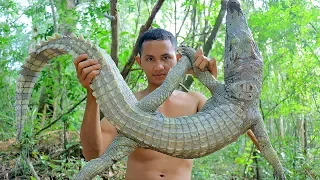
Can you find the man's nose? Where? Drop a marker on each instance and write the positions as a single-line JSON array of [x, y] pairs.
[[158, 67]]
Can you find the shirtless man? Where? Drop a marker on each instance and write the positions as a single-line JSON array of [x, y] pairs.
[[157, 50]]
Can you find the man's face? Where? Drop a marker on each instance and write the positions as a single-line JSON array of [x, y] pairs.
[[157, 58]]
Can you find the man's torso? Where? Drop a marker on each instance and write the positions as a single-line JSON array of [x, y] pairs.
[[148, 164]]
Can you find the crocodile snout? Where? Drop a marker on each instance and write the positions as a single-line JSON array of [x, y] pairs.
[[233, 5]]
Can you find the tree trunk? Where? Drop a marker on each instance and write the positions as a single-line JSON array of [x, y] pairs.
[[193, 21], [208, 44], [305, 141], [114, 31]]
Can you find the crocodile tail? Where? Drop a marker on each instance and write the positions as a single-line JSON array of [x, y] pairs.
[[28, 76], [44, 52]]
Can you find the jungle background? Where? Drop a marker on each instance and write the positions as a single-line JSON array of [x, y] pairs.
[[286, 32]]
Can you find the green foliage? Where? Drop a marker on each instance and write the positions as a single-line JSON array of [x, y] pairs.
[[286, 32]]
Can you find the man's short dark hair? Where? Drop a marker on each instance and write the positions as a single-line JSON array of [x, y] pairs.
[[156, 34]]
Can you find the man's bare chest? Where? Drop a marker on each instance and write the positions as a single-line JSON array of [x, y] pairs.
[[178, 108]]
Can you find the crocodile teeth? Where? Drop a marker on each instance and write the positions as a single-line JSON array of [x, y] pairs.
[[88, 41], [57, 36], [73, 35], [95, 47]]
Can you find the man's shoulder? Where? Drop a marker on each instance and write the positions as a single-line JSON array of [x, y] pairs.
[[193, 98]]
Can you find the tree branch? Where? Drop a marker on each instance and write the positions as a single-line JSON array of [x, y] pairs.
[[193, 21], [184, 19], [111, 18], [143, 29], [70, 110], [206, 22], [280, 102], [138, 17], [55, 26], [114, 31], [208, 44], [313, 27], [185, 86]]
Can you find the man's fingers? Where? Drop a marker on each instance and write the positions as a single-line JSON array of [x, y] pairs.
[[203, 65], [86, 71], [79, 59], [90, 77], [198, 61], [203, 62], [85, 64], [213, 67]]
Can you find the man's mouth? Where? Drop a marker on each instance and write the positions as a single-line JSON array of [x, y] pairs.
[[159, 75]]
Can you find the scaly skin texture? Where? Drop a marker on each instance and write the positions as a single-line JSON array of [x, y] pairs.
[[230, 112]]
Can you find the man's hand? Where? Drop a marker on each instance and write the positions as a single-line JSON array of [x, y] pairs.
[[86, 69], [202, 62]]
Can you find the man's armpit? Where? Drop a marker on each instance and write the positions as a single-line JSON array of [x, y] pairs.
[[200, 98]]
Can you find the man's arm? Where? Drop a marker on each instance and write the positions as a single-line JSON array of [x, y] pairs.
[[95, 136]]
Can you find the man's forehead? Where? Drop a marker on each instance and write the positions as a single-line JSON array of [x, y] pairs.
[[159, 46]]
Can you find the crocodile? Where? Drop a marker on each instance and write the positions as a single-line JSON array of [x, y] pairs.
[[230, 112]]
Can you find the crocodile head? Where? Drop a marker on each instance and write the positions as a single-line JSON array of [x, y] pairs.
[[243, 61]]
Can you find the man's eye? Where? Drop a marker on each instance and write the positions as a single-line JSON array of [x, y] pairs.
[[149, 59], [166, 58]]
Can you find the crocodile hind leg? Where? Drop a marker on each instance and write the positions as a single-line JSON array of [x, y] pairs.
[[119, 148], [267, 150]]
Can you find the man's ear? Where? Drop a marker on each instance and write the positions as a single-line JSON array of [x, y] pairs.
[[138, 60], [178, 56]]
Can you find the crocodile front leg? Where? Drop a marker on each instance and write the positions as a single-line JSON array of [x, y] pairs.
[[120, 147], [267, 150], [205, 77]]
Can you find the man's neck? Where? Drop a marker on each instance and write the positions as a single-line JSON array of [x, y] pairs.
[[150, 88]]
